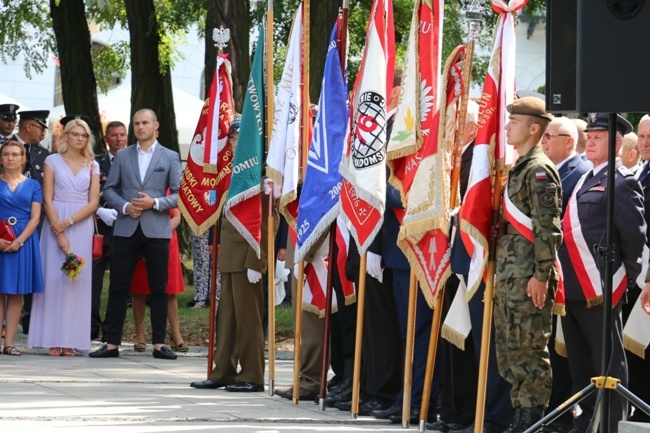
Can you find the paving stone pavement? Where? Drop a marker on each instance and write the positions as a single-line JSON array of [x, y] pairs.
[[136, 393]]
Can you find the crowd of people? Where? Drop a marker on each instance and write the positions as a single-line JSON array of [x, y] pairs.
[[553, 213], [51, 204]]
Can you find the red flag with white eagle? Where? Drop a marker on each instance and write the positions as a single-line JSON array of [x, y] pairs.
[[490, 143], [363, 191], [206, 177]]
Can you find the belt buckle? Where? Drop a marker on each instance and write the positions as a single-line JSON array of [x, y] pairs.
[[12, 220]]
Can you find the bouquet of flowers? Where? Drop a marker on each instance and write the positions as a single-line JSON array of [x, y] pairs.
[[72, 265]]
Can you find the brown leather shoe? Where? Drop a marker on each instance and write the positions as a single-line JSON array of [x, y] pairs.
[[303, 394]]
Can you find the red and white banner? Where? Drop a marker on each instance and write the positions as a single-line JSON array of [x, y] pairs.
[[363, 191], [490, 143], [283, 159], [206, 177]]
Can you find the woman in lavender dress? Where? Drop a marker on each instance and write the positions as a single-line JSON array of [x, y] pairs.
[[61, 314]]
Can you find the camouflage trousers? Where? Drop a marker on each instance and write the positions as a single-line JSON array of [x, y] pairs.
[[522, 332]]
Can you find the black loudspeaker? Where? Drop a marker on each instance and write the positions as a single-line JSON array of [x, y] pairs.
[[606, 42], [561, 19]]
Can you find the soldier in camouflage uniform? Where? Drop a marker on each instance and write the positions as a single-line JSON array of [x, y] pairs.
[[525, 276]]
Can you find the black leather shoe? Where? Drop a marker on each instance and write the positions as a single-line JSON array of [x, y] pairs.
[[245, 387], [414, 417], [370, 406], [344, 394], [164, 353], [105, 352], [207, 384], [386, 413]]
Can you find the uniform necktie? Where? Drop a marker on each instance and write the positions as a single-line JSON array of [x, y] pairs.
[[27, 148], [644, 172], [589, 176]]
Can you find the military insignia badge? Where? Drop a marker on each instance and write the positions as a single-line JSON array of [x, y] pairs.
[[599, 188], [548, 199], [540, 175]]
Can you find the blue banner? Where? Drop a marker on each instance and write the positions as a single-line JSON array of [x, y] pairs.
[[319, 205]]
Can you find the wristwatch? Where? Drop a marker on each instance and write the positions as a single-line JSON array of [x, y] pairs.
[[21, 243]]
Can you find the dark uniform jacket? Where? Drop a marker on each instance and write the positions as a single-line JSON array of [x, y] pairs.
[[535, 189], [629, 226], [104, 161], [570, 173], [36, 160]]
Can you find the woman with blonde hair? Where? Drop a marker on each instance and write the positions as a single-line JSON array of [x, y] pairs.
[[61, 314], [20, 257]]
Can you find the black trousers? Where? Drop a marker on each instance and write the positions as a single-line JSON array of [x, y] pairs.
[[125, 253], [382, 356], [583, 332]]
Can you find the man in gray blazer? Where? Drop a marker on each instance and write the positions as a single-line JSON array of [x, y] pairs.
[[137, 188]]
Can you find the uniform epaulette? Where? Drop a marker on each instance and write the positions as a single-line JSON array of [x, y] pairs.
[[625, 172]]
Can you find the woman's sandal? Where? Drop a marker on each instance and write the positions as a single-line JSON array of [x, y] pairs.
[[69, 351], [54, 351], [180, 347], [139, 347], [11, 350]]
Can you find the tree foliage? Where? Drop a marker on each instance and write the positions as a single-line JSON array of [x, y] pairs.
[[26, 28]]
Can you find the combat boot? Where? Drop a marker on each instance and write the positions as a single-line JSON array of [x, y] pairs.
[[527, 417], [515, 421]]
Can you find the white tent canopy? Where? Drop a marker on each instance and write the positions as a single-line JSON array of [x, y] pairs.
[[116, 105], [4, 99]]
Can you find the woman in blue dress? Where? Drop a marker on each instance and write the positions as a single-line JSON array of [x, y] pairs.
[[20, 259]]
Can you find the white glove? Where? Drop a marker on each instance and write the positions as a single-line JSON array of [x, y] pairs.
[[373, 266], [281, 277], [281, 273], [107, 215], [277, 189], [254, 277]]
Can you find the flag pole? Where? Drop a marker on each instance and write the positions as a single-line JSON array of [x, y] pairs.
[[271, 290], [361, 300], [304, 140], [409, 348], [410, 343], [220, 36], [297, 339], [270, 110]]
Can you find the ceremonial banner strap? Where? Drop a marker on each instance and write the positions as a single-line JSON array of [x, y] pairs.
[[244, 206], [319, 202], [316, 283], [582, 261], [206, 177], [524, 225], [283, 159]]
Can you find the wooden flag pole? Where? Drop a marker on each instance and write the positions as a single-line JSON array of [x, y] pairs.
[[410, 343], [361, 300], [304, 139], [270, 110], [271, 289], [221, 37], [297, 339]]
